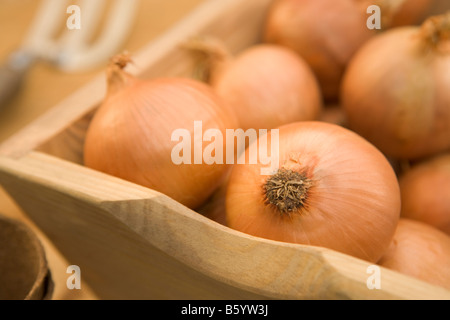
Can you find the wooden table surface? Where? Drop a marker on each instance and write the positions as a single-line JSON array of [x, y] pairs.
[[45, 86]]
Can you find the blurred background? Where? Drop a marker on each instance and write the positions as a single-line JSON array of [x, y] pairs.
[[45, 84]]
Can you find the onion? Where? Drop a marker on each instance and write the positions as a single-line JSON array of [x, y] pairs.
[[266, 85], [332, 189], [130, 134], [425, 191], [327, 33], [395, 91], [420, 251]]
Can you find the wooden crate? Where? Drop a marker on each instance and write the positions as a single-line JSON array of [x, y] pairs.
[[134, 243]]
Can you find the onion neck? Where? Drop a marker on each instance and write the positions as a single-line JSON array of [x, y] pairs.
[[213, 56], [117, 78], [287, 191], [436, 32]]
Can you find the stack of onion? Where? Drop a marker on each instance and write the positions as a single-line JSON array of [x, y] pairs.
[[266, 85], [395, 91], [131, 134], [332, 189], [327, 33], [425, 191], [420, 251]]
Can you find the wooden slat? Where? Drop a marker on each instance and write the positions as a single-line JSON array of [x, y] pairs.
[[61, 130]]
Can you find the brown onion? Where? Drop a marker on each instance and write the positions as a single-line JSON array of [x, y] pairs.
[[266, 85], [425, 191], [214, 207], [130, 136], [332, 189], [395, 91], [327, 33], [420, 251]]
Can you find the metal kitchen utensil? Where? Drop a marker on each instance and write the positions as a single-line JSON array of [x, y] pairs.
[[73, 50]]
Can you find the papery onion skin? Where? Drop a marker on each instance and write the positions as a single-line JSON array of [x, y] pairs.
[[130, 135], [421, 251], [395, 94], [425, 191], [327, 33], [268, 86], [352, 206]]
